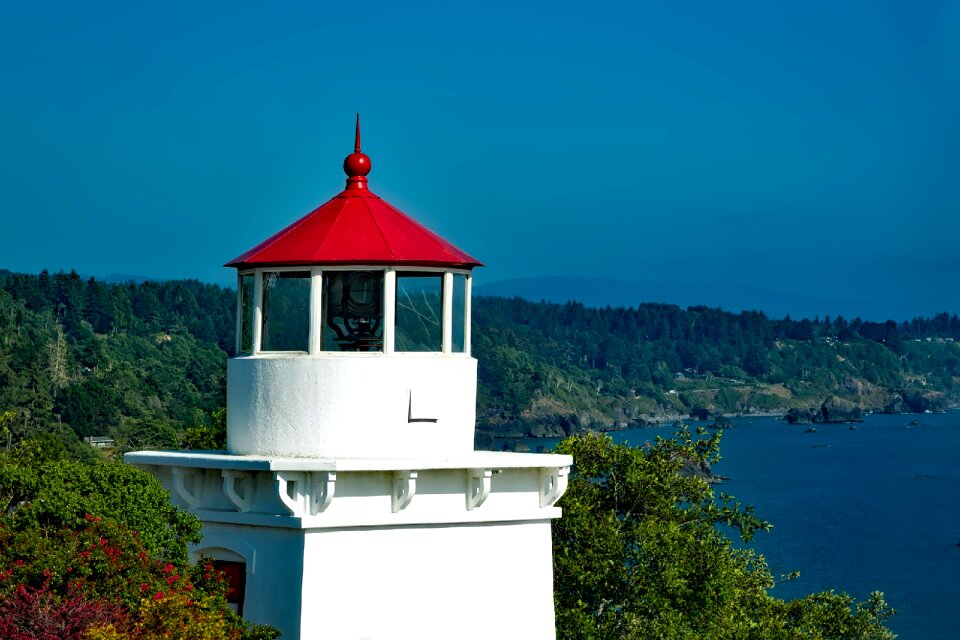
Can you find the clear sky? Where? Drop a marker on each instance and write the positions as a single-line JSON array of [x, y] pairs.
[[811, 149]]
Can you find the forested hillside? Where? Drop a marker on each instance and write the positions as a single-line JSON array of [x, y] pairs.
[[145, 363], [140, 363], [557, 369]]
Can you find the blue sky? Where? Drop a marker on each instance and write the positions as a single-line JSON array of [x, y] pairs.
[[810, 150]]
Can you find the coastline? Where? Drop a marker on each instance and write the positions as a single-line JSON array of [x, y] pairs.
[[488, 438]]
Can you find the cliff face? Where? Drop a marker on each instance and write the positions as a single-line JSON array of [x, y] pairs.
[[836, 409], [917, 402]]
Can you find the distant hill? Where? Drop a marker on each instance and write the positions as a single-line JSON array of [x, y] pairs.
[[113, 278], [555, 369], [122, 278], [603, 292]]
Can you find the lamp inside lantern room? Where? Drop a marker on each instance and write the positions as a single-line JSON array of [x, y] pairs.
[[353, 303]]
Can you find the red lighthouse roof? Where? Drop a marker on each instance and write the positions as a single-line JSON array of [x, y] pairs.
[[355, 227]]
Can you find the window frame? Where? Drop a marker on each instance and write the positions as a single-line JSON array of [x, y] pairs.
[[315, 340], [309, 276], [439, 277]]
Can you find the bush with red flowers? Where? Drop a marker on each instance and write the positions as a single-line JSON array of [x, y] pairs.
[[66, 574]]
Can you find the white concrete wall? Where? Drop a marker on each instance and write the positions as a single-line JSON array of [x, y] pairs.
[[490, 581], [355, 405], [274, 559]]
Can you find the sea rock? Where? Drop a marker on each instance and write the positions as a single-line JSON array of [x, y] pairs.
[[702, 470], [796, 415], [836, 410], [722, 422], [833, 410]]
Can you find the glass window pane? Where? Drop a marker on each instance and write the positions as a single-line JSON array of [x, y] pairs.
[[352, 311], [459, 311], [246, 313], [286, 311], [419, 312]]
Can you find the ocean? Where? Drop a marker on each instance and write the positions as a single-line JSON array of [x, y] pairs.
[[875, 508]]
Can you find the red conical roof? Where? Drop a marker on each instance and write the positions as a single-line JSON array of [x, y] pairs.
[[355, 227]]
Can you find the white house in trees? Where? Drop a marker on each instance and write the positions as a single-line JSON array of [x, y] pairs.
[[350, 502]]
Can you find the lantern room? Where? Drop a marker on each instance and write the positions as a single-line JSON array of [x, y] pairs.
[[357, 309], [360, 316]]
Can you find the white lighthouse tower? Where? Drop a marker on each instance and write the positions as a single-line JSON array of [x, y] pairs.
[[350, 502]]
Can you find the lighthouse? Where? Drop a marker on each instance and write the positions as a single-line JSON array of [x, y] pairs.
[[350, 502]]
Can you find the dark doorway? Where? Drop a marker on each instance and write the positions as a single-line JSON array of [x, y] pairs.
[[236, 575]]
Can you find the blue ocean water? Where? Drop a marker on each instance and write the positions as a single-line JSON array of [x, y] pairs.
[[855, 510], [877, 508]]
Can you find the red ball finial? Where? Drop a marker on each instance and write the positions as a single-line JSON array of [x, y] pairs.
[[357, 164]]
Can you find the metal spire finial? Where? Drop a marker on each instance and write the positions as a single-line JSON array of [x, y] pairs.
[[356, 144]]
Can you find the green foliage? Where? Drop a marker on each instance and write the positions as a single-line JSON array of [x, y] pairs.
[[207, 437], [139, 363], [641, 553], [101, 543], [43, 490]]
